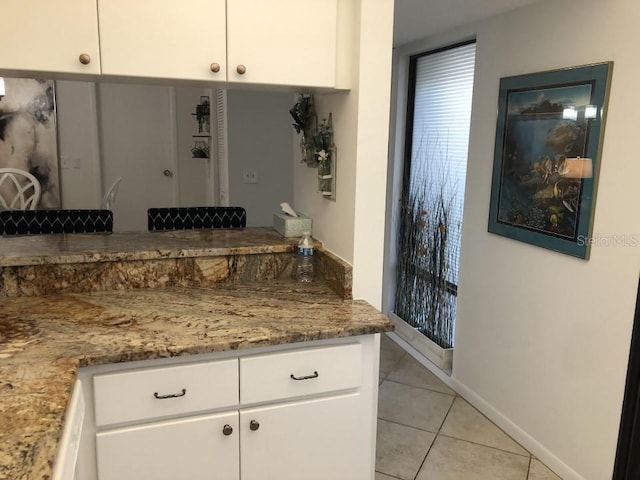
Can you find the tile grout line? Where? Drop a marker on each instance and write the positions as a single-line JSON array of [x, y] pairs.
[[393, 365], [493, 423], [386, 474], [407, 426], [454, 394], [434, 438], [528, 454]]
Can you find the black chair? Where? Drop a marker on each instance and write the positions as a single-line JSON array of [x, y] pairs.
[[40, 222], [189, 218]]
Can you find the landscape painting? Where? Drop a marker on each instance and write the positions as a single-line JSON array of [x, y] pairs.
[[28, 134]]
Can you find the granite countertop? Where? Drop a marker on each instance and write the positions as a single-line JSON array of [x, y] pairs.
[[44, 340], [92, 247]]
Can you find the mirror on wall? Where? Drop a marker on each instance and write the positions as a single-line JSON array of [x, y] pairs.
[[140, 139]]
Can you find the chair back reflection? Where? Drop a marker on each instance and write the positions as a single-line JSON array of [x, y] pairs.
[[19, 190], [42, 222], [190, 218]]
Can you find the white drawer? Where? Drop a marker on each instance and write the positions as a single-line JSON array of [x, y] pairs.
[[160, 392], [298, 373]]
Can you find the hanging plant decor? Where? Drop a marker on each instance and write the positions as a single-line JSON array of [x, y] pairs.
[[305, 122], [316, 143]]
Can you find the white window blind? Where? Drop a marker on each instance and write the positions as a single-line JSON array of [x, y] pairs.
[[440, 135]]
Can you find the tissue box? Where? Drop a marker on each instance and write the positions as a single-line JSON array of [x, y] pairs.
[[291, 226]]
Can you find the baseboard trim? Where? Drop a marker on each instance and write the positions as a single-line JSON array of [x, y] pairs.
[[514, 431]]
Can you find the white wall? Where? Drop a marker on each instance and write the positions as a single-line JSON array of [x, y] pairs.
[[259, 138], [80, 184], [542, 339], [353, 226]]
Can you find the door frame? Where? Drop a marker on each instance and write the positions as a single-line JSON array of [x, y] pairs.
[[627, 466]]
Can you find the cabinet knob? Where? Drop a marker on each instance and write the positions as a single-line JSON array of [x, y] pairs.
[[227, 430], [85, 59], [241, 69], [253, 425], [215, 67], [167, 173]]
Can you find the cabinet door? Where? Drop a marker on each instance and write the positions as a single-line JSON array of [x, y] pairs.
[[285, 42], [168, 39], [311, 440], [46, 36], [194, 448]]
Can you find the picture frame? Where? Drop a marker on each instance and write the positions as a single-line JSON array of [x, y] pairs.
[[28, 134], [547, 156]]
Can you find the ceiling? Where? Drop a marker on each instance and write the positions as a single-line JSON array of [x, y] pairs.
[[416, 19]]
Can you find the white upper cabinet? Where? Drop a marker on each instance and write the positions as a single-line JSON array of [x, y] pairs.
[[163, 39], [46, 36], [282, 42], [299, 43]]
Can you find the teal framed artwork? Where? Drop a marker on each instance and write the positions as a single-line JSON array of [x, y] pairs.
[[547, 156]]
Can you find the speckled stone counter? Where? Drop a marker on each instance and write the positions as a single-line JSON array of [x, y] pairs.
[[44, 340], [91, 247], [77, 263]]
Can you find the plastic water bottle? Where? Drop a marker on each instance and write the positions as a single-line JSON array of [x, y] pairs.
[[304, 266]]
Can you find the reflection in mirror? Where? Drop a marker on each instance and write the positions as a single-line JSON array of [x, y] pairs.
[[28, 137], [138, 132]]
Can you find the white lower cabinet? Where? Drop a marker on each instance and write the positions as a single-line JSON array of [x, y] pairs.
[[312, 440], [196, 448], [275, 413]]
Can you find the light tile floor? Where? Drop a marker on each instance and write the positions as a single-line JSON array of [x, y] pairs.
[[428, 432]]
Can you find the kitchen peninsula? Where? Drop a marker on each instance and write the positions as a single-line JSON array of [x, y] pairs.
[[97, 300]]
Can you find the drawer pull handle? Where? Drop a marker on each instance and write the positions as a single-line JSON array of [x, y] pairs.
[[171, 395], [306, 377]]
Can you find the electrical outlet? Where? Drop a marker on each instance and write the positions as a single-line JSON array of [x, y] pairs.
[[249, 175]]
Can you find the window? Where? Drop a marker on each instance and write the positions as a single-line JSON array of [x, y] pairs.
[[436, 145]]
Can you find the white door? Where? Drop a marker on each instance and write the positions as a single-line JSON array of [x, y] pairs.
[[312, 440], [195, 448], [138, 135]]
